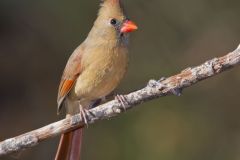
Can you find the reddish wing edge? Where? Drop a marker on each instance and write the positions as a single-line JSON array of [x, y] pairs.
[[65, 87], [71, 72]]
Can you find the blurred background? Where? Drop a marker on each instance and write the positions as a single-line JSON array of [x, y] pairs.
[[37, 37]]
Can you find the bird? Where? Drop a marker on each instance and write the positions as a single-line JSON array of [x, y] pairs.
[[94, 70]]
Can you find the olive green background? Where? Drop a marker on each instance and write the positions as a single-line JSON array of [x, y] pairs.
[[37, 37]]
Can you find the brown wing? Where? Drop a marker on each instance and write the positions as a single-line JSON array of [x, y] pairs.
[[72, 70]]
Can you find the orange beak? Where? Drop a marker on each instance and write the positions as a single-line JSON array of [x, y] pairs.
[[128, 26]]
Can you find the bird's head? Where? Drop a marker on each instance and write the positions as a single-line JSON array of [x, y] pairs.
[[112, 22]]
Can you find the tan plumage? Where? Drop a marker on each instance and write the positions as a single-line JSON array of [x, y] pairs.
[[97, 66]]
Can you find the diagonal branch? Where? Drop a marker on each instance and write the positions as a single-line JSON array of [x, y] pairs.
[[153, 90]]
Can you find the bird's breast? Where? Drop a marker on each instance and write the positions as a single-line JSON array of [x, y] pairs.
[[103, 71]]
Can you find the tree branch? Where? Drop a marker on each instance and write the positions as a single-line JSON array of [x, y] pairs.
[[153, 90]]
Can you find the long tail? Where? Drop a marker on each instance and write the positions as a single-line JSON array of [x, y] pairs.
[[70, 145]]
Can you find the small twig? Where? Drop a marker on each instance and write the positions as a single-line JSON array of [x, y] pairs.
[[155, 89]]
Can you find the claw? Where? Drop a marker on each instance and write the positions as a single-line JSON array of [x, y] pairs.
[[84, 114], [122, 99]]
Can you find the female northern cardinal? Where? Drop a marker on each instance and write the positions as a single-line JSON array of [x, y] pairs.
[[94, 70]]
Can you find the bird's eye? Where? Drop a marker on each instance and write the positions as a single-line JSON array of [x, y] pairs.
[[113, 21]]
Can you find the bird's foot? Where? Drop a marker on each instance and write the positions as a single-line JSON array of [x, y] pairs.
[[84, 114], [122, 100]]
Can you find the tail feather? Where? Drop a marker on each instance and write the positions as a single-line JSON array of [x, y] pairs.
[[70, 145]]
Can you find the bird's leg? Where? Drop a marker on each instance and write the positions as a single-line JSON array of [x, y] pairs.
[[122, 100], [83, 114]]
